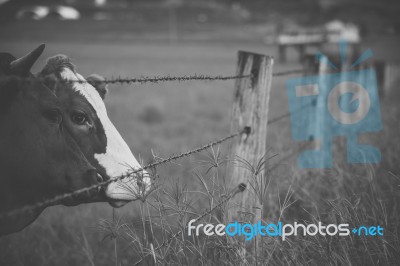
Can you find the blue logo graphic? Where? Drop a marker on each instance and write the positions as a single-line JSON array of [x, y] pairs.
[[335, 104]]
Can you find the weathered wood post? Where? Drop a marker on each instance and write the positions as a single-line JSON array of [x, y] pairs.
[[250, 109]]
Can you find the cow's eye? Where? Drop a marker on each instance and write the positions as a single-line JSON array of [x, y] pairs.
[[79, 118]]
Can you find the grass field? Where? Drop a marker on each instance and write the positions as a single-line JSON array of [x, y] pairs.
[[171, 117]]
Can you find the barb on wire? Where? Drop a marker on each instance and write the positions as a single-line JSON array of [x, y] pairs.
[[240, 188], [59, 198]]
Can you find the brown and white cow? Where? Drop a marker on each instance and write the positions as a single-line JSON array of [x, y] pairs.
[[35, 157], [85, 117], [38, 158]]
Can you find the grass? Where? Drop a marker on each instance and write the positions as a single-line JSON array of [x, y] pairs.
[[160, 119]]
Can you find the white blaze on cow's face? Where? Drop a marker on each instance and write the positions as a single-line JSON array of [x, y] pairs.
[[118, 158]]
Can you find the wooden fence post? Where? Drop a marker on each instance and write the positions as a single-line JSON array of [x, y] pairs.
[[250, 109]]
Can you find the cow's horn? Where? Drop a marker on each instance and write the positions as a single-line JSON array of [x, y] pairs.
[[23, 65]]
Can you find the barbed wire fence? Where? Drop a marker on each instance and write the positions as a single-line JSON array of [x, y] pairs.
[[167, 78], [60, 198], [157, 79]]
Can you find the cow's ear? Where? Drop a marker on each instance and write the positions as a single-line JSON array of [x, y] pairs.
[[97, 81], [22, 66], [9, 89]]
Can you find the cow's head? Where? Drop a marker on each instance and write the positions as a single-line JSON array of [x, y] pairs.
[[87, 120], [39, 159]]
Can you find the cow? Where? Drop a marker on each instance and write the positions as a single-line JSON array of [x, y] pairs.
[[39, 159], [82, 119], [85, 117]]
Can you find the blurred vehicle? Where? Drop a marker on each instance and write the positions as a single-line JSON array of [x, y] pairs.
[[35, 12], [41, 12], [337, 30], [332, 32], [302, 37]]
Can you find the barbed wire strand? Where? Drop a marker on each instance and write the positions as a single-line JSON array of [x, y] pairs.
[[158, 79], [238, 189], [88, 189]]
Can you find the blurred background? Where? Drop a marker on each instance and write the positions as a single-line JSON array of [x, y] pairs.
[[134, 38]]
